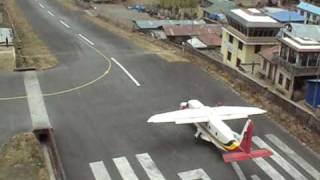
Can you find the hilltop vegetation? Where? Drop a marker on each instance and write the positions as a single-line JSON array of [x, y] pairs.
[[167, 4]]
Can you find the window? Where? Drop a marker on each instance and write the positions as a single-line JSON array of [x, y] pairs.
[[308, 15], [301, 12], [240, 45], [292, 56], [229, 56], [280, 80], [284, 51], [238, 62], [303, 58], [230, 38], [288, 82], [313, 58], [314, 17], [264, 65], [257, 48]]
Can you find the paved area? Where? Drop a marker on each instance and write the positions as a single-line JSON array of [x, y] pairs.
[[100, 96]]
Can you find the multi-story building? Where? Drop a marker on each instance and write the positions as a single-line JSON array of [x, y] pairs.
[[248, 32], [310, 12], [295, 61]]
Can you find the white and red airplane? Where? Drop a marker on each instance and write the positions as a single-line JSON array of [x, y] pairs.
[[211, 127]]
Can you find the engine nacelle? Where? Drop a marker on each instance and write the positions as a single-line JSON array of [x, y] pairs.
[[191, 104]]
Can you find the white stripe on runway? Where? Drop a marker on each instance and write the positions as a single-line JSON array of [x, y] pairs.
[[294, 156], [255, 177], [86, 39], [268, 169], [127, 72], [149, 167], [37, 108], [41, 5], [50, 13], [65, 24], [99, 171], [125, 169], [196, 174], [279, 160], [238, 170]]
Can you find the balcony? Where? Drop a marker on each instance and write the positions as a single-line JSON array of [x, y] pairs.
[[252, 40], [298, 70]]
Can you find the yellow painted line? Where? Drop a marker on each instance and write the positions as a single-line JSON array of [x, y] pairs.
[[108, 69]]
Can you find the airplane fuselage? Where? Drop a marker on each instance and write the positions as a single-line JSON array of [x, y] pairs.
[[219, 134]]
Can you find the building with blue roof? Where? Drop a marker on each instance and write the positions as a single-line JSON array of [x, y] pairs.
[[310, 12], [286, 16]]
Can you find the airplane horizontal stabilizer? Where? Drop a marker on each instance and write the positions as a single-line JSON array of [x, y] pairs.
[[242, 156]]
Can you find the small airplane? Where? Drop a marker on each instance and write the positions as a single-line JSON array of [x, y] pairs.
[[211, 128]]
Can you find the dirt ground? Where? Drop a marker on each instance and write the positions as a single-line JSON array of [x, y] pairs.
[[120, 15], [28, 44], [22, 159]]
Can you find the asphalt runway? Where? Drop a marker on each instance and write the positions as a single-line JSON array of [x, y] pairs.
[[105, 88]]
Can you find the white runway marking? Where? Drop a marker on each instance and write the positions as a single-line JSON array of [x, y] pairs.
[[238, 170], [279, 160], [294, 156], [86, 39], [255, 177], [37, 108], [65, 24], [268, 169], [149, 167], [127, 72], [42, 6], [196, 174], [99, 171], [125, 169], [50, 13]]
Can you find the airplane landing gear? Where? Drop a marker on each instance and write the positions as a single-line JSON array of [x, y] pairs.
[[196, 136]]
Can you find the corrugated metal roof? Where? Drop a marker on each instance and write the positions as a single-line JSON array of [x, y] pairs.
[[309, 7], [191, 30], [154, 24], [196, 43], [286, 16], [210, 39], [304, 31]]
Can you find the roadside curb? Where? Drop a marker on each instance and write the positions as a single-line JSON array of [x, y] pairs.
[[46, 138]]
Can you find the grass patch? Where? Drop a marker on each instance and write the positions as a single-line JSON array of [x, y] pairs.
[[28, 44], [7, 58], [22, 159], [70, 4]]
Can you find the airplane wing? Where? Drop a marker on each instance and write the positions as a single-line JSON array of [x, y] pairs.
[[182, 116], [235, 112], [205, 114]]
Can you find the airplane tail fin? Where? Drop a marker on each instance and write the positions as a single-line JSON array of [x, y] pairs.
[[245, 152], [246, 137]]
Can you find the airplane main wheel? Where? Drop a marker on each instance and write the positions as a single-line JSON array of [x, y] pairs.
[[196, 138]]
